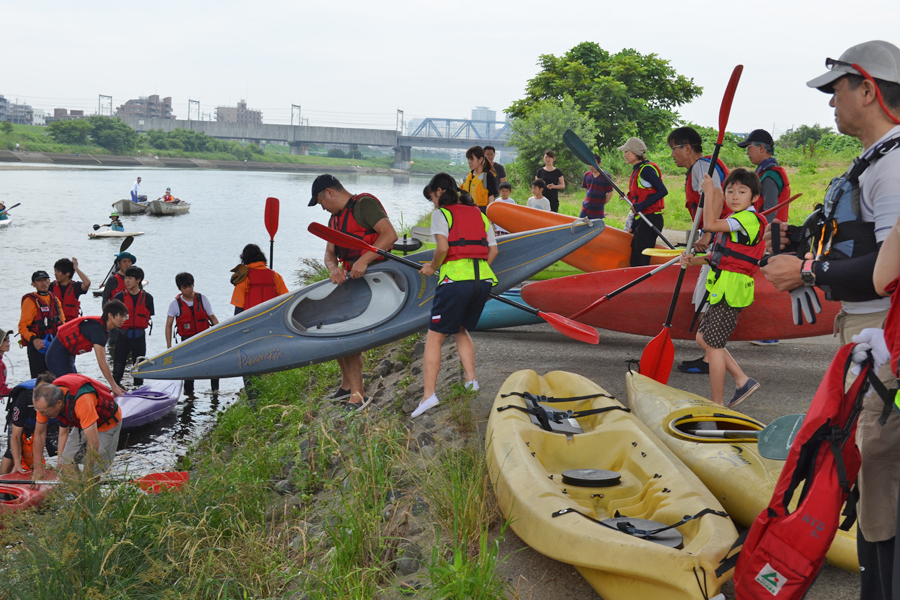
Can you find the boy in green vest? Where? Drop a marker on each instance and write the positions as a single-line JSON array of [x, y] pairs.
[[733, 259]]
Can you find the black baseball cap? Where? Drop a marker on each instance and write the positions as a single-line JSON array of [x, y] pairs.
[[757, 136], [39, 275], [322, 183]]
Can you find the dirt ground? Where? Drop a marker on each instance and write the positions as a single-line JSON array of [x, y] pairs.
[[789, 374]]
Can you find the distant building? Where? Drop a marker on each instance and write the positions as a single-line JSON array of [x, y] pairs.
[[4, 106], [40, 117], [483, 113], [239, 114], [147, 107], [19, 114], [60, 114]]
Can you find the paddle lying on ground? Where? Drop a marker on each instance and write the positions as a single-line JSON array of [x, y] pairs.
[[773, 442], [577, 331], [272, 208], [4, 211], [153, 483], [659, 354], [584, 154], [126, 243]]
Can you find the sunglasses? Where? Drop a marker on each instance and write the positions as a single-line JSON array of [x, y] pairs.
[[831, 63]]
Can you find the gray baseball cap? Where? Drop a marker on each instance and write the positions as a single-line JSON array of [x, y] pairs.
[[635, 145], [879, 58]]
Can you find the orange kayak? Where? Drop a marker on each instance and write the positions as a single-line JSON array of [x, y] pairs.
[[609, 250]]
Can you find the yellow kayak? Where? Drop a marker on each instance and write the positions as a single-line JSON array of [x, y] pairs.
[[554, 487], [732, 469]]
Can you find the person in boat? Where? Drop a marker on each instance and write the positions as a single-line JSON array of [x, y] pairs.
[[66, 290], [90, 423], [21, 420], [132, 339], [362, 216], [115, 224], [734, 258], [465, 249], [3, 215], [83, 334], [42, 314], [135, 190], [647, 193], [190, 313], [168, 197]]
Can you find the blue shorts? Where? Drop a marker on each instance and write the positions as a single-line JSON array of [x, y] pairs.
[[458, 304]]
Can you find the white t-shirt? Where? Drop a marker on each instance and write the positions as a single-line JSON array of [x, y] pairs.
[[173, 307], [499, 229], [439, 226], [538, 203]]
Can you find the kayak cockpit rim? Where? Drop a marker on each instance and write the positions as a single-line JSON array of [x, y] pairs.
[[683, 422]]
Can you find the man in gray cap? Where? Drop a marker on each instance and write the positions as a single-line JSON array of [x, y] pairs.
[[776, 188], [864, 203]]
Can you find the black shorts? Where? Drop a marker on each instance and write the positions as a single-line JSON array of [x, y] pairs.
[[458, 304]]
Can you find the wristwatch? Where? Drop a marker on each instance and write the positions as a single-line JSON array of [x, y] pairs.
[[806, 273]]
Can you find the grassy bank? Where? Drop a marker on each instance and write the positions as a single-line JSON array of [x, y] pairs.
[[290, 497]]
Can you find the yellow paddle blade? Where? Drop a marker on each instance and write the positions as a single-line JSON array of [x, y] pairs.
[[665, 252]]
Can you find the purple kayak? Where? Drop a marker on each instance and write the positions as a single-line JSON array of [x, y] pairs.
[[148, 403]]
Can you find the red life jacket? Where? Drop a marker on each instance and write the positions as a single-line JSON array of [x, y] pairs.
[[73, 340], [692, 198], [738, 257], [345, 222], [138, 316], [783, 195], [66, 295], [638, 194], [191, 320], [468, 237], [262, 287], [892, 328], [78, 385], [120, 284], [47, 319], [783, 551]]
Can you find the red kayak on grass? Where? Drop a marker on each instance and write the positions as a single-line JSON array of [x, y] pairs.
[[14, 498], [642, 309]]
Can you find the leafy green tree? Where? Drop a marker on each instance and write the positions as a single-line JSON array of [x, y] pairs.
[[6, 127], [75, 131], [802, 135], [112, 133], [541, 130], [626, 94]]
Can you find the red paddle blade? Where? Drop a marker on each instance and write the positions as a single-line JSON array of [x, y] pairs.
[[339, 239], [272, 208], [155, 483], [656, 361], [725, 109], [568, 327]]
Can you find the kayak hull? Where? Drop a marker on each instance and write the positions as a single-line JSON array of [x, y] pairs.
[[497, 315], [148, 403], [526, 465], [611, 250], [160, 208], [6, 222], [768, 318], [114, 234], [128, 207], [741, 479], [323, 321], [14, 498]]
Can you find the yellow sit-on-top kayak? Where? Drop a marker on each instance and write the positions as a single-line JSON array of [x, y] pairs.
[[594, 490], [741, 479]]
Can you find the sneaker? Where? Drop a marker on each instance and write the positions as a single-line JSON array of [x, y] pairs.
[[743, 392], [430, 403], [357, 406], [696, 361], [765, 342], [694, 367], [472, 386], [340, 394]]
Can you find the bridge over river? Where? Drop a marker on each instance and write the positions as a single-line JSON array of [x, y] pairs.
[[433, 133]]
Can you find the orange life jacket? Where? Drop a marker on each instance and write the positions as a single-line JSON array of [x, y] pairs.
[[262, 287], [47, 319], [191, 320], [468, 238], [28, 451], [139, 315], [66, 295], [73, 340], [345, 222], [637, 193], [692, 197], [783, 195], [81, 384]]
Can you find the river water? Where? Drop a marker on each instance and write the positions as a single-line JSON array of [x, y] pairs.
[[60, 205]]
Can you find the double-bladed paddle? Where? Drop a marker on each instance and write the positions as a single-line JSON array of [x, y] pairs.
[[6, 210], [126, 243], [584, 154], [659, 354], [153, 483], [773, 442], [577, 331], [272, 208]]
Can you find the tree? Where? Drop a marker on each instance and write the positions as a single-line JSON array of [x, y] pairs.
[[802, 135], [112, 133], [626, 94], [75, 131], [541, 130], [6, 127]]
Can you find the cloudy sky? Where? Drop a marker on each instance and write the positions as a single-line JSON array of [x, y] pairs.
[[354, 62]]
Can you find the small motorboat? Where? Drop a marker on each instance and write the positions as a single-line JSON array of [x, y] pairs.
[[129, 207], [160, 208], [148, 403]]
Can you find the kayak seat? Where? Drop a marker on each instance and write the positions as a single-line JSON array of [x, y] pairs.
[[356, 304]]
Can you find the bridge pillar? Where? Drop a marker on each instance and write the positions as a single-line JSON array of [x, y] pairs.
[[402, 157], [298, 149]]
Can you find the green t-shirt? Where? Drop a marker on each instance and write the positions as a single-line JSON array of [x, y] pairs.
[[736, 289], [368, 212]]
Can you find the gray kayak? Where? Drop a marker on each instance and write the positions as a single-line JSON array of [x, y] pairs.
[[129, 207], [324, 321]]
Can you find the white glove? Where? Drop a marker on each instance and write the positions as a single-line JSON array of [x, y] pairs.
[[629, 222], [805, 303], [869, 340]]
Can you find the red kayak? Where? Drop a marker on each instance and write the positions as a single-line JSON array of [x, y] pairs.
[[19, 497], [642, 309]]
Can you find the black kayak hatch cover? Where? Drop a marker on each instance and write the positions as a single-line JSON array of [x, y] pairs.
[[591, 478], [671, 538]]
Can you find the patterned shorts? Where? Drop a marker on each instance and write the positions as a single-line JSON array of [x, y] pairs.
[[718, 324]]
